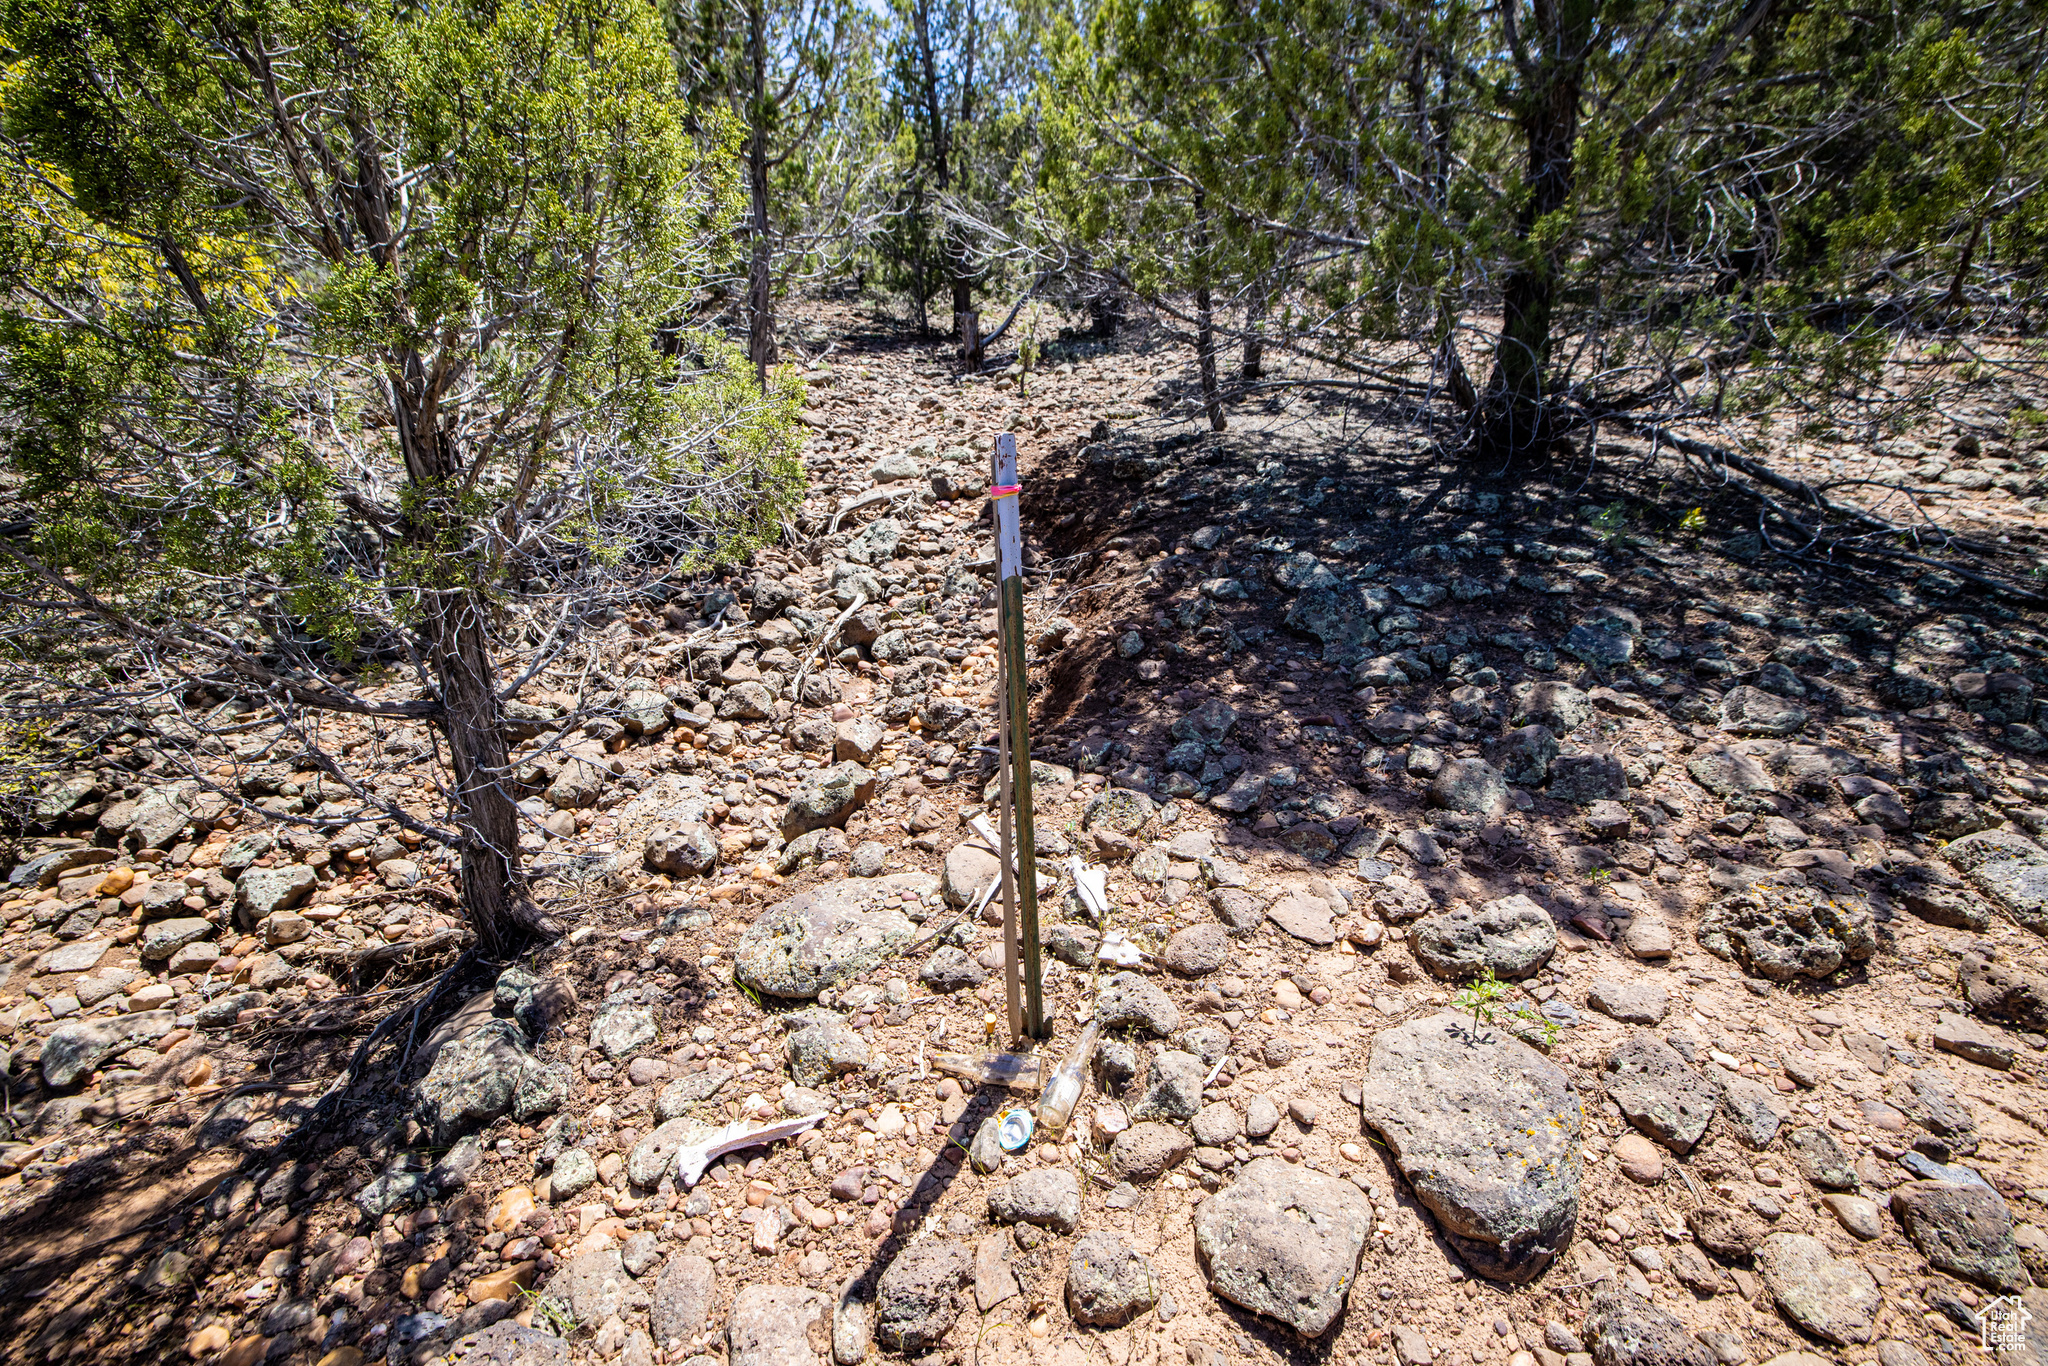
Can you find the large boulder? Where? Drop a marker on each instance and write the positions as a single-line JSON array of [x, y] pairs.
[[1468, 785], [1785, 932], [1284, 1241], [477, 1077], [824, 937], [1512, 936], [1752, 711], [1486, 1130]]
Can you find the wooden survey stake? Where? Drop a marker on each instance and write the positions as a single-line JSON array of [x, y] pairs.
[[1019, 852]]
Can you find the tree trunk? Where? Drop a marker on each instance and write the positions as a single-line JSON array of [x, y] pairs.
[[1253, 365], [1205, 319], [1516, 418], [494, 893], [760, 299], [966, 323]]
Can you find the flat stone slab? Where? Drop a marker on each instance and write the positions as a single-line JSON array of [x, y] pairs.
[[1284, 1241], [1658, 1093], [1828, 1297], [1487, 1131], [824, 937]]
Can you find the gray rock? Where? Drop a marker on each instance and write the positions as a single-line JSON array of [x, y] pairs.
[[1784, 933], [1261, 1116], [1512, 936], [1821, 1160], [1926, 1098], [986, 1152], [1624, 1329], [1197, 950], [1832, 1299], [1856, 1214], [1964, 1230], [770, 1325], [506, 1343], [1218, 1125], [2004, 992], [75, 1047], [262, 891], [1583, 779], [165, 937], [1752, 711], [80, 955], [852, 1326], [653, 1155], [822, 938], [622, 1029], [594, 1286], [683, 1295], [575, 1172], [1559, 706], [1657, 1092], [1120, 810], [1487, 1132], [1526, 755], [458, 1164], [822, 1052], [1725, 773], [678, 1096], [687, 850], [1304, 915], [827, 796], [1284, 1241], [1145, 1152], [1109, 1282], [969, 868], [1174, 1090], [1049, 1197], [918, 1297], [1751, 1108], [1469, 785], [1598, 646], [474, 1079], [640, 1252], [537, 1003], [1129, 999], [994, 1281], [1631, 1000], [950, 969]]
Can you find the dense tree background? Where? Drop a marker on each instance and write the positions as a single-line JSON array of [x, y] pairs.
[[435, 329]]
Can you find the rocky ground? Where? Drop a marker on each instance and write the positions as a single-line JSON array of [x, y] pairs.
[[1745, 857]]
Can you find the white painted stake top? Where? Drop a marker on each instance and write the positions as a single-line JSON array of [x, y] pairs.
[[1009, 533]]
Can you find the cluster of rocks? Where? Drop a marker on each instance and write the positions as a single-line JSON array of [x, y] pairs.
[[1494, 975]]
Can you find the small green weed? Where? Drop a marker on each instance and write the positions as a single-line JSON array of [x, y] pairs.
[[1485, 997]]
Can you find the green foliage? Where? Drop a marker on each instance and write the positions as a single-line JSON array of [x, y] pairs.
[[216, 367], [1483, 997]]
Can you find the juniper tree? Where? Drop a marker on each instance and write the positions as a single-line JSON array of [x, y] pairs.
[[335, 329]]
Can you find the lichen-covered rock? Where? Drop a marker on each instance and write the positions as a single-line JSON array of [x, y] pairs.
[[1284, 1241], [1784, 933], [1511, 937], [1487, 1132], [918, 1297], [824, 937]]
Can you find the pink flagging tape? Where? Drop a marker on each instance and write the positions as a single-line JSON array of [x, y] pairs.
[[1004, 490]]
